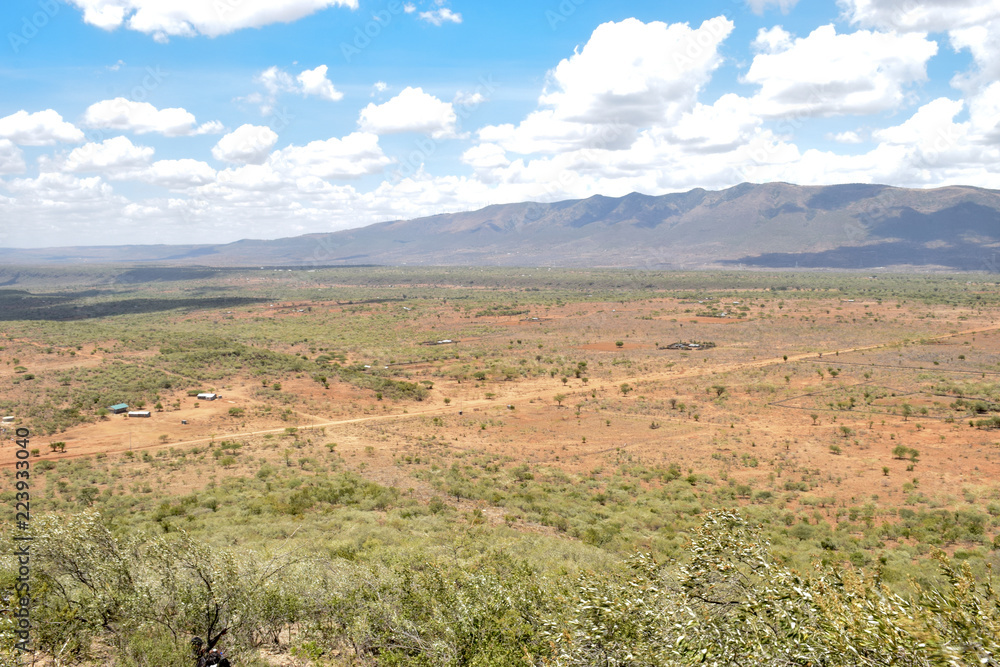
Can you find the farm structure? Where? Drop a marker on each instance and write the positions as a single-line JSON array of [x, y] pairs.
[[692, 345]]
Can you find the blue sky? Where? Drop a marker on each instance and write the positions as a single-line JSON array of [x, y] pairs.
[[208, 121]]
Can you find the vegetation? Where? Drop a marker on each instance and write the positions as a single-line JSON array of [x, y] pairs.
[[358, 497]]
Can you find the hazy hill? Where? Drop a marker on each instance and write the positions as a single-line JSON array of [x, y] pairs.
[[769, 225]]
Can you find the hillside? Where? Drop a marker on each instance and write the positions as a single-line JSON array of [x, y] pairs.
[[774, 225]]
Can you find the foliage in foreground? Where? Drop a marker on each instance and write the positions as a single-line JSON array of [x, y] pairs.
[[726, 603]]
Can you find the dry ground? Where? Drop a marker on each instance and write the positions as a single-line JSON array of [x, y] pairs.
[[757, 431]]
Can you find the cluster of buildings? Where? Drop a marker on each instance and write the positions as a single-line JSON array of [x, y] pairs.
[[122, 408], [119, 408]]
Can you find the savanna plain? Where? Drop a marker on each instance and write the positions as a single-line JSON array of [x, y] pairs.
[[483, 466]]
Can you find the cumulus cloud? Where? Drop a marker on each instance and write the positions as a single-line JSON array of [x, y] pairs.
[[11, 158], [635, 72], [314, 82], [983, 42], [143, 118], [828, 74], [60, 207], [276, 80], [722, 126], [115, 156], [464, 99], [772, 40], [247, 143], [628, 75], [848, 137], [308, 82], [440, 16], [970, 24], [357, 154], [629, 110], [412, 110], [178, 174], [923, 16], [187, 18], [924, 124], [42, 128], [984, 115], [61, 192], [485, 156]]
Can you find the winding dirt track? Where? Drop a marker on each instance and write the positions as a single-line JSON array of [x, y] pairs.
[[527, 395]]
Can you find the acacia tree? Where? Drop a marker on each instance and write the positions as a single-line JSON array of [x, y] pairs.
[[128, 589]]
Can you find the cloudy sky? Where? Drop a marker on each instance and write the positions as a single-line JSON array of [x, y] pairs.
[[178, 121]]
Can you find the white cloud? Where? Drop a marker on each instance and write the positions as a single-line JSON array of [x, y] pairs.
[[187, 18], [758, 6], [984, 114], [412, 110], [970, 24], [115, 156], [485, 156], [249, 179], [628, 76], [308, 82], [468, 100], [627, 111], [827, 74], [772, 40], [409, 8], [117, 66], [924, 125], [379, 87], [357, 154], [178, 174], [42, 128], [636, 73], [847, 137], [276, 80], [11, 158], [441, 16], [923, 16], [247, 143], [59, 193], [143, 118], [983, 42], [119, 159], [62, 209], [314, 82], [723, 126]]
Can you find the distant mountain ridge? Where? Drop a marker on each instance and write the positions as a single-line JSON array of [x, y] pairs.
[[773, 225]]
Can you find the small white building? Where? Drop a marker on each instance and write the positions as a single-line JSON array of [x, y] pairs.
[[207, 396], [8, 419], [139, 413]]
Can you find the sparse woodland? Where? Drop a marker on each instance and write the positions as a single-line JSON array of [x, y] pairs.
[[556, 486]]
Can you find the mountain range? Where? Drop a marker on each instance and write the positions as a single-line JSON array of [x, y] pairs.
[[772, 225]]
